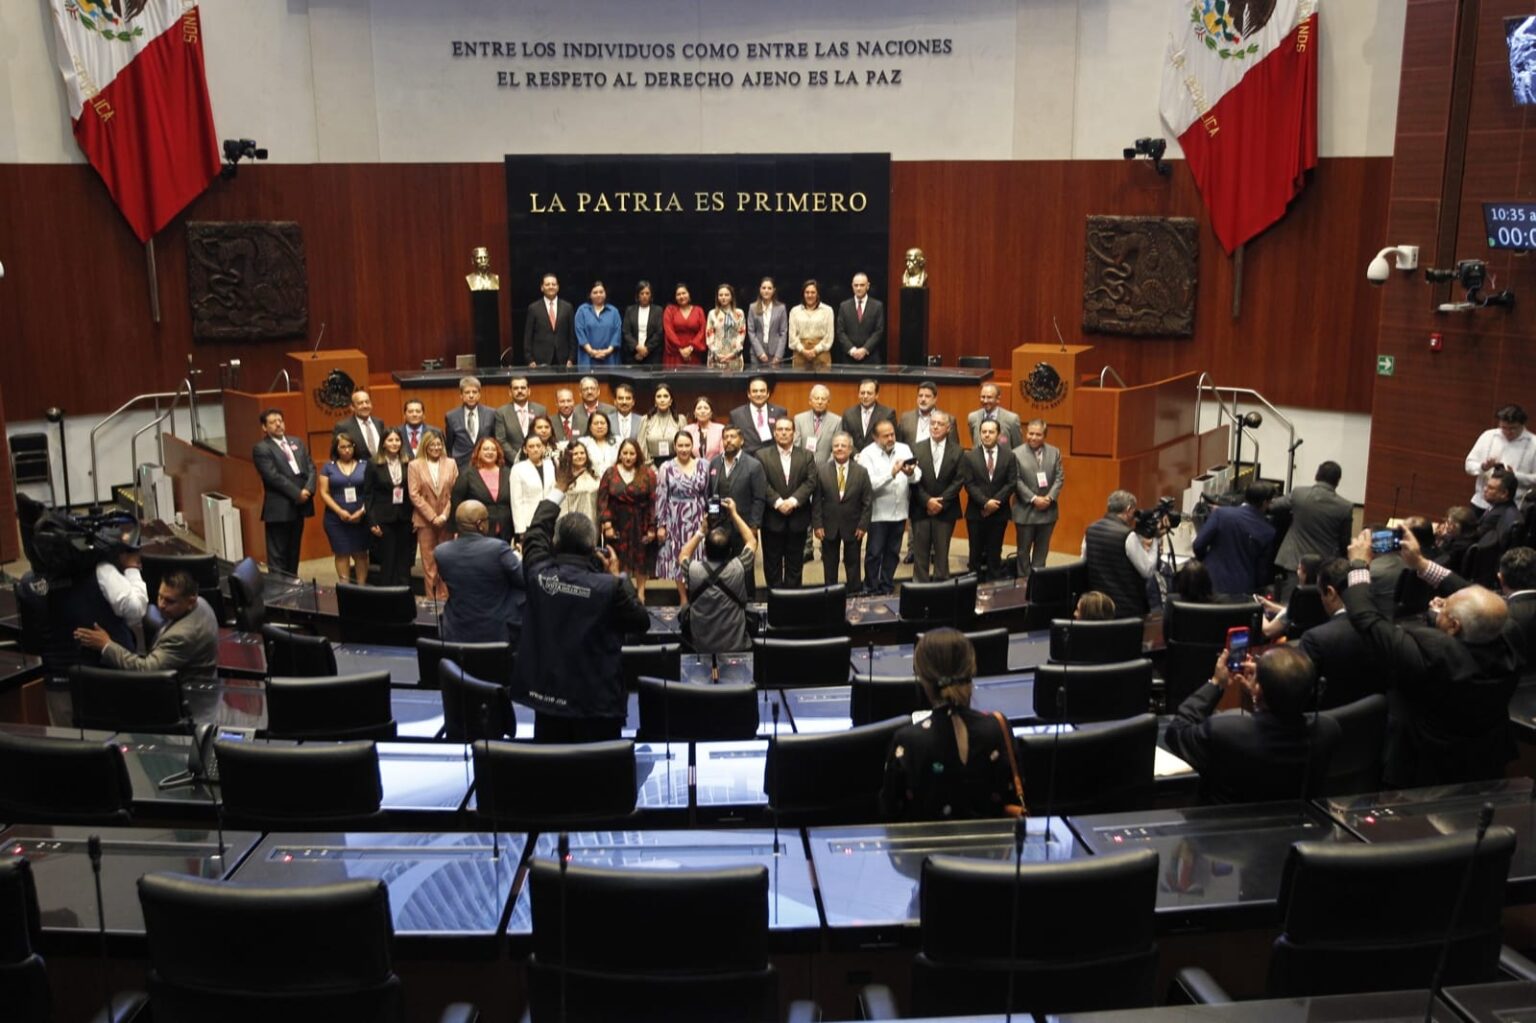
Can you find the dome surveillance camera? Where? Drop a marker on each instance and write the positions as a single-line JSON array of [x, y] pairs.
[[1407, 257], [1378, 271]]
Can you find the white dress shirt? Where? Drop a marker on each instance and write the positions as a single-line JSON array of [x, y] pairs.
[[124, 591], [1519, 454], [891, 491]]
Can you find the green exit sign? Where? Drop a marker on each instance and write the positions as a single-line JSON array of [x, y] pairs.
[[1386, 365]]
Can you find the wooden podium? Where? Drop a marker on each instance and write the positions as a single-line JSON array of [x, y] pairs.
[[1045, 380], [325, 398]]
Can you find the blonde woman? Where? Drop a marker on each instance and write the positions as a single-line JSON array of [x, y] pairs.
[[431, 478]]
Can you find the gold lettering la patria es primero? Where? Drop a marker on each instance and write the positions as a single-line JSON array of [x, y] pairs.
[[698, 202]]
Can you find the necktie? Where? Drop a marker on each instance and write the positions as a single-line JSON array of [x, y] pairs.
[[842, 479], [293, 462], [866, 420], [991, 454], [522, 417], [472, 423], [371, 436], [415, 437], [551, 307], [760, 422], [623, 428], [818, 424], [567, 421], [861, 310]]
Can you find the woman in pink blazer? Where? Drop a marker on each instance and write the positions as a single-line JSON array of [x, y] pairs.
[[430, 478]]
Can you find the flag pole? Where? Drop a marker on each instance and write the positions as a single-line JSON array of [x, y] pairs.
[[1237, 281], [154, 280]]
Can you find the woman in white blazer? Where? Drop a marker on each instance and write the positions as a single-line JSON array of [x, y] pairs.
[[533, 477]]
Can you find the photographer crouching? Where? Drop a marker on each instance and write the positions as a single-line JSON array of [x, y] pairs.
[[1122, 551]]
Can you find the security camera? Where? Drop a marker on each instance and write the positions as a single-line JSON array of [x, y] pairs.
[[1153, 149], [1380, 269], [236, 150]]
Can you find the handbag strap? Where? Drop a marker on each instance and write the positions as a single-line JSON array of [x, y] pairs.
[[1013, 763]]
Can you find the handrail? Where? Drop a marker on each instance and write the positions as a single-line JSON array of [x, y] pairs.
[[133, 450], [114, 414], [282, 375], [1206, 384], [191, 407], [1111, 371]]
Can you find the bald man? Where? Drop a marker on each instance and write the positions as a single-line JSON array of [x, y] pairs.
[[484, 577], [1452, 680]]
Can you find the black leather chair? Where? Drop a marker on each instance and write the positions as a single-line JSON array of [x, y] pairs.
[[1099, 951], [63, 781], [1101, 768], [539, 787], [296, 656], [832, 777], [1093, 692], [24, 990], [1053, 592], [1194, 634], [690, 712], [242, 954], [792, 663], [1305, 609], [473, 708], [204, 568], [376, 614], [650, 660], [1074, 642], [314, 787], [974, 362], [601, 946], [127, 701], [991, 646], [1481, 565], [930, 605], [493, 662], [808, 613], [246, 601], [339, 707], [875, 698], [1356, 763]]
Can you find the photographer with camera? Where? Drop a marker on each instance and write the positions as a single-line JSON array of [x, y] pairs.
[[716, 586], [1237, 545], [85, 572], [1121, 552]]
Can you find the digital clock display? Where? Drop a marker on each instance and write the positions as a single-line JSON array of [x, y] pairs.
[[1510, 225]]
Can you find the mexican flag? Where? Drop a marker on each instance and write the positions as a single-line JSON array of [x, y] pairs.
[[138, 100], [1240, 93]]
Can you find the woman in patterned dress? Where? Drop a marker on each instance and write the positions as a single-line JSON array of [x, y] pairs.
[[627, 514], [725, 332], [682, 490]]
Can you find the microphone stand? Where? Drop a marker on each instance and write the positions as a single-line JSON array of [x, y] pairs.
[[486, 792], [1020, 829], [93, 849], [666, 716], [773, 754], [563, 848], [1050, 787], [1484, 819]]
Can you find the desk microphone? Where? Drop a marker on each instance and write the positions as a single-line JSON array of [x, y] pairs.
[[1057, 327], [1484, 819], [1050, 785], [563, 850], [315, 352], [666, 717], [93, 849], [1020, 830], [773, 755]]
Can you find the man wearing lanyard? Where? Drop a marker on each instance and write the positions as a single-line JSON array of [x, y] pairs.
[[415, 426], [288, 482]]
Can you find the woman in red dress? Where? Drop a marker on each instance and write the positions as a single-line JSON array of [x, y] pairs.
[[626, 512], [683, 324]]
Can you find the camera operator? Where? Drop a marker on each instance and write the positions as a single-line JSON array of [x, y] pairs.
[[1237, 545], [83, 576], [1121, 553]]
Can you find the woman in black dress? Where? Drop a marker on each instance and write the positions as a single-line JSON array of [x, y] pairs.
[[957, 763], [388, 501], [486, 479]]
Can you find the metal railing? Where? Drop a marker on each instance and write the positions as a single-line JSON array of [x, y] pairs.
[[1204, 384], [156, 397], [1109, 370], [282, 375]]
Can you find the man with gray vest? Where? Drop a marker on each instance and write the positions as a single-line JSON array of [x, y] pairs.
[[1120, 561]]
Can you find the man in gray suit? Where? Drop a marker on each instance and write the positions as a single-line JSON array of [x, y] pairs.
[[815, 427], [1039, 489], [1011, 430], [624, 423], [590, 391], [188, 642], [1321, 523], [466, 426], [515, 419]]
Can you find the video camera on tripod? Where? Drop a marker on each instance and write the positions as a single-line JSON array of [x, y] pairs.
[[1149, 520]]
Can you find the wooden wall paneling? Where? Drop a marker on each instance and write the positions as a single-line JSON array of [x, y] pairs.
[[10, 534]]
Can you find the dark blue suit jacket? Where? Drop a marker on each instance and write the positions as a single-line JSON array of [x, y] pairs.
[[485, 589], [460, 445], [1237, 546]]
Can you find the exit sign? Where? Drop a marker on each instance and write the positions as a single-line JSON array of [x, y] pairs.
[[1386, 365]]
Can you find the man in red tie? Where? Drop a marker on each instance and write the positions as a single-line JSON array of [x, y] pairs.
[[565, 416], [860, 327], [990, 474], [549, 337], [755, 419]]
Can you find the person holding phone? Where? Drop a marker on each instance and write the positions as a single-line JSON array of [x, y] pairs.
[[1277, 752], [715, 586]]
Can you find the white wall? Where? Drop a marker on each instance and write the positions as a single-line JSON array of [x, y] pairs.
[[1343, 437], [375, 80]]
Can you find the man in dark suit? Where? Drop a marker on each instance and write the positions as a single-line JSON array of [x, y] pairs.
[[860, 420], [1035, 507], [469, 424], [549, 333], [591, 391], [1344, 662], [789, 474], [515, 419], [1263, 756], [1321, 521], [624, 423], [861, 327], [485, 582], [736, 475], [1237, 544], [935, 499], [1517, 585], [840, 514], [362, 426], [564, 419], [288, 486], [912, 427], [990, 473], [755, 419], [1501, 522], [414, 430]]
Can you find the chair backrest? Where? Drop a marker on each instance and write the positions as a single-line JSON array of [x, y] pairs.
[[293, 655], [1104, 768], [1305, 609], [24, 989], [620, 954], [833, 776], [932, 604], [245, 595], [473, 708], [1093, 692], [376, 614], [991, 646], [690, 712], [227, 951], [1052, 591], [127, 701], [1348, 926], [791, 663], [338, 707], [541, 786], [650, 660], [1356, 763], [311, 787], [1074, 642], [492, 662], [812, 611], [974, 362], [63, 781], [1481, 565], [204, 568], [1099, 952], [875, 698], [1194, 634]]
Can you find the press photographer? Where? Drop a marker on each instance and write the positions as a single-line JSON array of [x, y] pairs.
[[1121, 549]]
